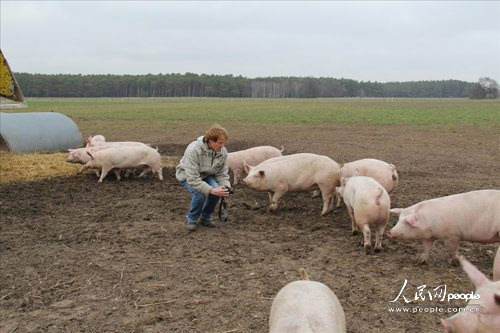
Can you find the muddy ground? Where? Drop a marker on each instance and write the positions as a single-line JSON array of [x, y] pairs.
[[115, 257]]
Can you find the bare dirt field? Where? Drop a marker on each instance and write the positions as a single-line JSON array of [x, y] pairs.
[[77, 256]]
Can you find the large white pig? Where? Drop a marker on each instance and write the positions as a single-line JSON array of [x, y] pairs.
[[295, 173], [125, 157], [81, 156], [481, 315], [471, 216], [368, 205], [496, 266], [252, 156], [306, 306], [383, 172]]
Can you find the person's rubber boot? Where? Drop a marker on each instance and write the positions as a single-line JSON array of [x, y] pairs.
[[191, 226], [208, 224]]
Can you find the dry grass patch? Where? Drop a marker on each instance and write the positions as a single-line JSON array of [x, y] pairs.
[[32, 167]]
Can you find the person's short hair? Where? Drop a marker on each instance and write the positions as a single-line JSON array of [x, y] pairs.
[[215, 132]]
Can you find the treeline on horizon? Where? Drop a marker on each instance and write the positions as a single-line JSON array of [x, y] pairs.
[[196, 85]]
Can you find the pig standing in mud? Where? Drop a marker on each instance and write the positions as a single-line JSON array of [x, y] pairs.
[[295, 173], [306, 306], [384, 173], [125, 157], [81, 156], [252, 156], [481, 315], [368, 206], [471, 216]]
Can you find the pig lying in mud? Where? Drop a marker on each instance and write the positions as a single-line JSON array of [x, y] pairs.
[[123, 158], [253, 156], [471, 216], [368, 205], [306, 306], [482, 314], [295, 173]]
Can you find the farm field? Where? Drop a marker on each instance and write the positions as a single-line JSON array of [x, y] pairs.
[[77, 256]]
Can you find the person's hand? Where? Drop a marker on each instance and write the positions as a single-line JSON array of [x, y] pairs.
[[220, 191]]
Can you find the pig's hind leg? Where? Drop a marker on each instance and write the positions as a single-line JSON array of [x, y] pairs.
[[379, 233], [354, 226], [327, 194], [117, 174], [104, 173], [367, 238]]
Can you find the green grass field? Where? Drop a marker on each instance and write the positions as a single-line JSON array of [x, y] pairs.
[[176, 111]]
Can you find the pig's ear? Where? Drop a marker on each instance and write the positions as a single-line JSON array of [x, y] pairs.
[[396, 211], [262, 173], [446, 326], [477, 278], [247, 167], [497, 299], [412, 220]]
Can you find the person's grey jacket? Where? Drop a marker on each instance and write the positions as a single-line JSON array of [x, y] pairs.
[[198, 162]]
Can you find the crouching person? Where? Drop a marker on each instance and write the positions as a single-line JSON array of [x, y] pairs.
[[203, 172]]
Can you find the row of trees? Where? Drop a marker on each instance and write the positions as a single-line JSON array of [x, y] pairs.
[[194, 85]]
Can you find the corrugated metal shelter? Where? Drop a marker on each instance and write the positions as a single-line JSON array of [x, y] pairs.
[[38, 132]]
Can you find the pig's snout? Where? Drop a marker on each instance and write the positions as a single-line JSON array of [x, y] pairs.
[[389, 234]]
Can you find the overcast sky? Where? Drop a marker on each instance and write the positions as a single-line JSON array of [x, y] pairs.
[[377, 41]]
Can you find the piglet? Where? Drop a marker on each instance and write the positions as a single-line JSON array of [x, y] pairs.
[[471, 216]]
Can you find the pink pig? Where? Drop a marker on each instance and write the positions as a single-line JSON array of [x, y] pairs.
[[482, 314], [295, 173], [125, 157], [383, 172], [368, 206], [471, 216], [251, 156], [306, 306]]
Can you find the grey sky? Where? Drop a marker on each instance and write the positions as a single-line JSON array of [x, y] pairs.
[[377, 41]]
